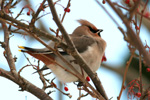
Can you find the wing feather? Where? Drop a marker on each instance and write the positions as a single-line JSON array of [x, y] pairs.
[[81, 43]]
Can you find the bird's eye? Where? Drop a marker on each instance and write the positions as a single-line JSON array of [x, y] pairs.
[[98, 31], [92, 30]]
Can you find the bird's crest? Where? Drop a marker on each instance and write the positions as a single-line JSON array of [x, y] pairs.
[[86, 23]]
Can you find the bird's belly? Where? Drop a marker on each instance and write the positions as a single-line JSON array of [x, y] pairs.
[[63, 75]]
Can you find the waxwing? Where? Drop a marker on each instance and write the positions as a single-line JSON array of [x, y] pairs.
[[88, 42]]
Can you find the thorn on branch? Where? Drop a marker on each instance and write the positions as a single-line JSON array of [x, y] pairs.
[[50, 92], [53, 84], [2, 44], [4, 53], [23, 86], [15, 59]]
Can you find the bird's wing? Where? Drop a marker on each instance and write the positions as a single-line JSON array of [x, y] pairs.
[[81, 43]]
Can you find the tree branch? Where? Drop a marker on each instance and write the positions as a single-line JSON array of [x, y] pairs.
[[13, 75], [9, 57], [74, 52], [53, 38], [39, 33], [134, 39], [25, 85]]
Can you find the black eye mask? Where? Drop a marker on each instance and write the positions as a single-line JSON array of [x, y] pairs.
[[95, 31]]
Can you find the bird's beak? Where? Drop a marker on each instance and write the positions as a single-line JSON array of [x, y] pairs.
[[99, 31]]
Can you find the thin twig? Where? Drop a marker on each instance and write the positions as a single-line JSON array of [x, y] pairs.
[[131, 34], [68, 5], [41, 76], [81, 96], [41, 7], [142, 16], [39, 93], [134, 9], [52, 84], [137, 12], [140, 73], [145, 94], [124, 77], [107, 13]]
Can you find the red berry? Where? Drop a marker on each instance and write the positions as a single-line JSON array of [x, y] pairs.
[[104, 1], [88, 78], [138, 94], [127, 1], [147, 14], [148, 69], [104, 58], [6, 10], [28, 13], [67, 10], [137, 27], [66, 88]]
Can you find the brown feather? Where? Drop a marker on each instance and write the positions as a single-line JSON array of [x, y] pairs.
[[86, 23], [45, 58]]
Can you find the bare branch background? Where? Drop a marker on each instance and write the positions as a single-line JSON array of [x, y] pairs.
[[135, 68]]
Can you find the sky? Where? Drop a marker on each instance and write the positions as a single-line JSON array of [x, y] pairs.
[[116, 50]]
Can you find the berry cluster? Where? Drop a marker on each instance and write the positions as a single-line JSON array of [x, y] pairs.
[[132, 87]]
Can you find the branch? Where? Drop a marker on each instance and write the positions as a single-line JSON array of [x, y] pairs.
[[13, 75], [77, 74], [25, 85], [9, 57], [41, 7], [41, 33], [134, 9], [124, 77], [134, 39], [74, 52], [37, 31]]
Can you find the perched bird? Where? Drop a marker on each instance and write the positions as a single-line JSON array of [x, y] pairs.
[[88, 42]]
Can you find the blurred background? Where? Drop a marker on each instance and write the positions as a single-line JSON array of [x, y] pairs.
[[117, 52]]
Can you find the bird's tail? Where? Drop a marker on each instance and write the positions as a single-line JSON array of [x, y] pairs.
[[40, 54], [34, 50]]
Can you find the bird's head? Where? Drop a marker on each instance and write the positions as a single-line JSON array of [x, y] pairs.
[[89, 28]]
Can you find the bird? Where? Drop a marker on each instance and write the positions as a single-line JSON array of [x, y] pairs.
[[88, 42]]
